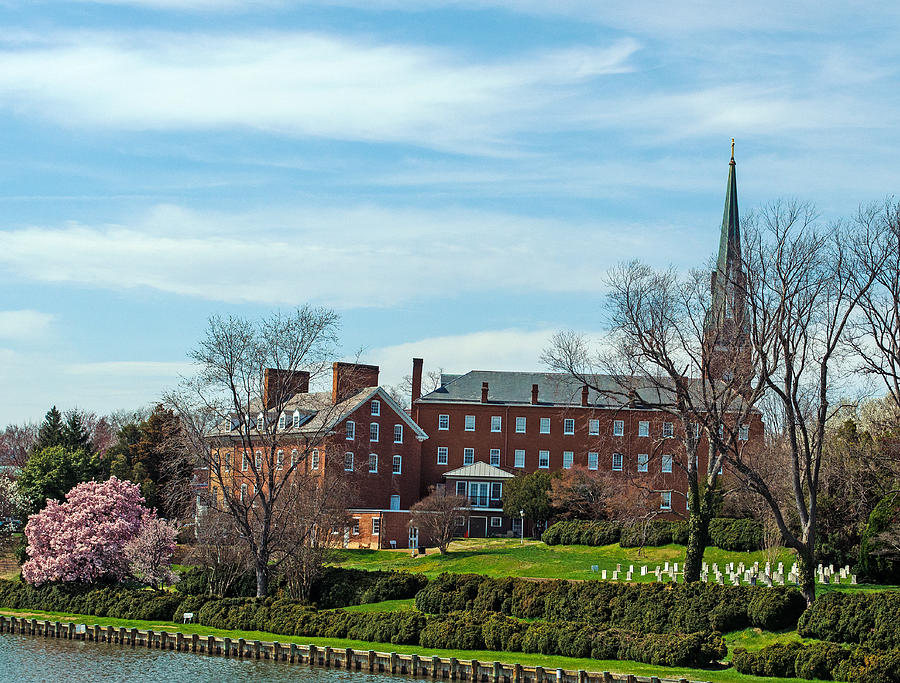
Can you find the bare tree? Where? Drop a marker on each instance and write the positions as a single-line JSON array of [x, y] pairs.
[[580, 493], [402, 391], [437, 516], [16, 442], [235, 421], [804, 284], [220, 552]]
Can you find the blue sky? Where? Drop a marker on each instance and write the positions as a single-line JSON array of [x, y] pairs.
[[453, 177]]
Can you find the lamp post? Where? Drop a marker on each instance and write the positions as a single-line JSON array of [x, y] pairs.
[[522, 525]]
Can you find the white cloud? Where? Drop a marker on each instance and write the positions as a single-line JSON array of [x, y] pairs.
[[363, 256], [24, 325], [296, 84]]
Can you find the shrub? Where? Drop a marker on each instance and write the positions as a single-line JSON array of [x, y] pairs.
[[871, 565], [582, 532], [646, 608], [338, 587], [736, 534], [864, 618]]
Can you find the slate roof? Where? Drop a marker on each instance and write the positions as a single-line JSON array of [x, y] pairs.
[[479, 469]]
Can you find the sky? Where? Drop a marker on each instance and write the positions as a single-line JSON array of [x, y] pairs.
[[453, 177]]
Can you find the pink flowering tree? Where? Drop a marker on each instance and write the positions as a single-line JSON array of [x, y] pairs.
[[83, 539], [149, 554]]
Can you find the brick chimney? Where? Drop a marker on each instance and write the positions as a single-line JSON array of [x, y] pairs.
[[534, 394], [416, 380], [484, 392], [280, 385], [584, 395], [348, 378]]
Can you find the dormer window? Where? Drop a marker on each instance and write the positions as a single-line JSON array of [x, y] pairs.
[[376, 408], [260, 421], [296, 419], [281, 421]]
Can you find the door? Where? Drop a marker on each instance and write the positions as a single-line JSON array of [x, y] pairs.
[[414, 537], [477, 527]]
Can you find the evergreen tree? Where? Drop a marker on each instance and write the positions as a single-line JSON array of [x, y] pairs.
[[51, 473], [77, 437], [51, 431]]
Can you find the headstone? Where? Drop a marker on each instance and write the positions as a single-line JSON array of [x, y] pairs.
[[615, 575], [644, 570], [853, 579], [603, 574], [628, 576]]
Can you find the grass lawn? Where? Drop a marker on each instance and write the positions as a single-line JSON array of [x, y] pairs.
[[713, 675], [385, 606]]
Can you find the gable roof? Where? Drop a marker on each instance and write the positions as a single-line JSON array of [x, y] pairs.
[[479, 469]]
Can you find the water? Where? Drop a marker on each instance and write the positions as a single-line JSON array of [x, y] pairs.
[[27, 659]]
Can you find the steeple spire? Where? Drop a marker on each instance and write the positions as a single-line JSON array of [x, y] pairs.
[[730, 238]]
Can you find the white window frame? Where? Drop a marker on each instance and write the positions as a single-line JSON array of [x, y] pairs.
[[545, 425], [376, 526], [495, 452], [314, 459], [257, 460], [354, 527], [544, 460], [643, 428], [395, 501], [496, 522], [443, 422], [618, 462], [665, 500], [398, 433], [521, 425], [227, 461], [348, 460], [350, 430], [569, 425], [593, 460], [666, 463], [520, 458], [245, 461], [376, 407], [465, 488], [281, 421], [643, 462], [668, 430], [568, 459], [443, 454], [296, 420], [594, 427], [294, 455], [496, 487], [618, 427], [397, 465], [470, 423], [373, 463], [496, 423], [374, 431], [279, 459], [468, 456], [744, 433], [243, 492]]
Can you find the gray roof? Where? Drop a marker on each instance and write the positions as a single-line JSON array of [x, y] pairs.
[[479, 469], [553, 389]]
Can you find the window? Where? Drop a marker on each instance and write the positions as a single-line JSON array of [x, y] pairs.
[[460, 521], [496, 521], [351, 430], [281, 422], [496, 490], [397, 465], [667, 463], [376, 526], [568, 458], [376, 408], [665, 502], [258, 460], [520, 425], [496, 423], [279, 460], [617, 462], [618, 427], [643, 462], [373, 431], [314, 459], [544, 459], [568, 426], [545, 425], [478, 493], [443, 422], [442, 455], [395, 502], [593, 461], [348, 462], [244, 462], [495, 457], [460, 488], [468, 456], [398, 433], [744, 434], [227, 461], [355, 528], [243, 492], [470, 423], [643, 428], [516, 525], [520, 458], [373, 462], [668, 430], [296, 419], [594, 427], [293, 457]]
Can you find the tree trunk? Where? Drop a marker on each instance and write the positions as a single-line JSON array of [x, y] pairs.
[[262, 580], [700, 513], [807, 565]]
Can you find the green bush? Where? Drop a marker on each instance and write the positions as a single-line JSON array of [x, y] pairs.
[[654, 533], [582, 532], [339, 587], [824, 661], [725, 533], [645, 608], [869, 619], [740, 535], [872, 566]]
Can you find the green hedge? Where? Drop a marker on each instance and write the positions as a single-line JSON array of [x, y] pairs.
[[646, 608], [871, 619], [120, 603], [825, 661], [724, 533]]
